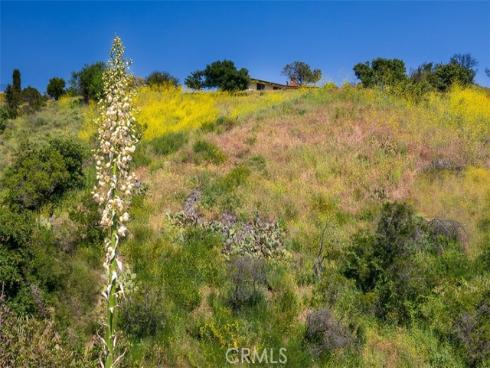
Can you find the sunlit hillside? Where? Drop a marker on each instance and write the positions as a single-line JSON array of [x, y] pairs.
[[255, 216]]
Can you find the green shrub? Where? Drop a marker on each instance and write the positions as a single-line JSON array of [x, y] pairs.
[[33, 100], [86, 216], [142, 313], [402, 262], [10, 271], [88, 81], [325, 334], [29, 342], [42, 174], [56, 87], [472, 331], [4, 115], [169, 143], [15, 229], [208, 152], [220, 125], [247, 275]]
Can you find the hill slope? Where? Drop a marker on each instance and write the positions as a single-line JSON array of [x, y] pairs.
[[300, 220]]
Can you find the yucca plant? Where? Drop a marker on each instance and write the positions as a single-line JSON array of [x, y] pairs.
[[115, 183]]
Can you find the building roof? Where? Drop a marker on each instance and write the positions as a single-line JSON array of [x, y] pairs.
[[274, 84]]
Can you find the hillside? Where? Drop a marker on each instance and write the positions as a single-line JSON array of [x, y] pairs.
[[349, 226]]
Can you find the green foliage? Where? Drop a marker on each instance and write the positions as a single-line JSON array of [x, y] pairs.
[[161, 78], [198, 254], [247, 275], [325, 334], [10, 270], [472, 330], [169, 143], [29, 342], [88, 81], [4, 115], [208, 152], [40, 174], [33, 100], [16, 81], [402, 262], [142, 313], [85, 214], [13, 94], [301, 73], [15, 229], [195, 80], [220, 191], [459, 70], [381, 72], [220, 125], [220, 74], [56, 87]]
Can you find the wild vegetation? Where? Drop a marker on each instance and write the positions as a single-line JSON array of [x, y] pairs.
[[347, 225]]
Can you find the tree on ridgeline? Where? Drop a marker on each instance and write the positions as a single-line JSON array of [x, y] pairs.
[[220, 74], [195, 80], [460, 69], [88, 82], [56, 87], [13, 94], [381, 72], [301, 74], [161, 78]]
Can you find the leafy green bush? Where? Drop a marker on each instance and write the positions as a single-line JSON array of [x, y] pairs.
[[220, 74], [41, 174], [142, 313], [29, 342], [402, 262], [247, 275], [10, 272], [169, 143], [208, 152], [4, 115], [15, 229], [56, 87], [88, 81], [86, 216], [220, 125], [380, 72], [161, 78], [472, 331], [33, 100]]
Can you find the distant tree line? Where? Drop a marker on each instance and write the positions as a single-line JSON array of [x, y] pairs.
[[388, 73], [20, 100]]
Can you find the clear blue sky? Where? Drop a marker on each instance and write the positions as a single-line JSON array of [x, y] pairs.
[[46, 39]]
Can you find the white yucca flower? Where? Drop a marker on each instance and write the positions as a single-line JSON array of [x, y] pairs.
[[115, 143]]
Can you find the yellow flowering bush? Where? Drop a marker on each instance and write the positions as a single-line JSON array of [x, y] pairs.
[[472, 104], [165, 109], [89, 127], [469, 107]]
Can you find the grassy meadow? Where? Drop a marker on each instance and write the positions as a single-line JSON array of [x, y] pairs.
[[311, 171]]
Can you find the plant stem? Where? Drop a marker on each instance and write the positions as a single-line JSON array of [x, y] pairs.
[[111, 297]]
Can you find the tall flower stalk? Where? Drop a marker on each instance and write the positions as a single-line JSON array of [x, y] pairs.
[[115, 183]]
